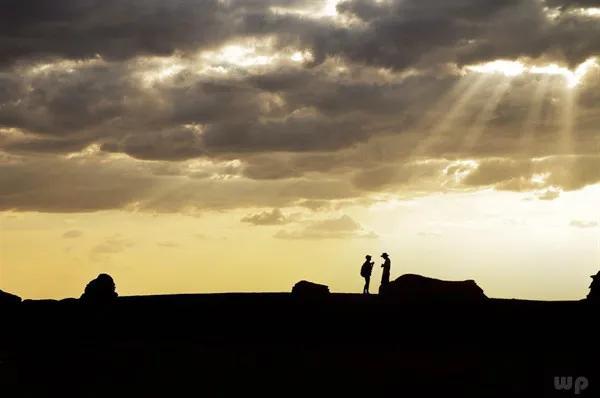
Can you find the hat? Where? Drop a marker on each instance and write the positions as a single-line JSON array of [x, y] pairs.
[[595, 276], [384, 255], [368, 256]]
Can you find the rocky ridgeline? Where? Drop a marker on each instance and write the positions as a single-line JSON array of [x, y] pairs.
[[9, 299]]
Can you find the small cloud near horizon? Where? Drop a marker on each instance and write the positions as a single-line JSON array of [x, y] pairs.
[[273, 217], [549, 194], [111, 245], [74, 233], [583, 224], [343, 227]]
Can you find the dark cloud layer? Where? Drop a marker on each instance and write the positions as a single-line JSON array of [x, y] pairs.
[[307, 110], [396, 33], [114, 29]]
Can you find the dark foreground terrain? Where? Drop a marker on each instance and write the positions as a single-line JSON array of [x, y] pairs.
[[280, 345]]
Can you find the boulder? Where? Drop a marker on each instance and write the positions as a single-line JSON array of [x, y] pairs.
[[308, 289], [7, 298], [100, 290], [422, 288], [594, 294]]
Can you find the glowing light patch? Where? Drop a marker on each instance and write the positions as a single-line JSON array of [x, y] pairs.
[[326, 8], [68, 66], [89, 151], [302, 56], [460, 169], [540, 178], [573, 78], [589, 12], [237, 55], [330, 7], [157, 69], [507, 68], [515, 68], [168, 71]]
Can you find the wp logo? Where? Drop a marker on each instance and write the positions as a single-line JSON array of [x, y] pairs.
[[567, 383]]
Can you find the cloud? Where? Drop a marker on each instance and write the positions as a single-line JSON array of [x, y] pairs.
[[114, 29], [468, 31], [549, 194], [343, 227], [113, 244], [60, 185], [494, 171], [583, 224], [396, 33], [106, 182], [168, 244], [193, 106], [273, 217], [549, 175], [572, 3], [110, 246], [74, 233]]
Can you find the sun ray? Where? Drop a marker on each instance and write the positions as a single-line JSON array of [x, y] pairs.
[[438, 126], [530, 125], [567, 120], [483, 118]]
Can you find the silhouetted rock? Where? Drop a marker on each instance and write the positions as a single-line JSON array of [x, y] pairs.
[[7, 298], [594, 294], [310, 290], [100, 290], [421, 288]]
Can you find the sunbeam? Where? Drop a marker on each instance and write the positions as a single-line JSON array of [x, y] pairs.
[[531, 123], [567, 120], [486, 113], [439, 126]]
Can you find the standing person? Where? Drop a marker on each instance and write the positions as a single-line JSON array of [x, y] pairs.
[[385, 276], [365, 272]]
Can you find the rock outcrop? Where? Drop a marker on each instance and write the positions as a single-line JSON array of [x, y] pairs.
[[308, 289], [420, 288], [594, 294], [100, 290], [8, 299]]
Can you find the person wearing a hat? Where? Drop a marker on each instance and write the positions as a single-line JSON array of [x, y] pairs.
[[385, 276], [365, 272], [594, 293]]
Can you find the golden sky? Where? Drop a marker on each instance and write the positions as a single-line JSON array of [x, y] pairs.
[[209, 146]]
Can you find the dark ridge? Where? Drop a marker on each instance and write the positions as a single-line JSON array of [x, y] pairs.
[[416, 339], [277, 343]]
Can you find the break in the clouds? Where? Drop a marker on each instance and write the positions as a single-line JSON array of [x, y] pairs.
[[193, 105]]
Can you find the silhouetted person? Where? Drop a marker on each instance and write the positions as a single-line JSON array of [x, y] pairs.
[[100, 290], [365, 272], [385, 276], [594, 294]]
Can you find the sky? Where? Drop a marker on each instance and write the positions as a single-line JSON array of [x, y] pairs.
[[188, 146]]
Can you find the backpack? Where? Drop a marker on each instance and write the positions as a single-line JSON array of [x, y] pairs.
[[365, 270]]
